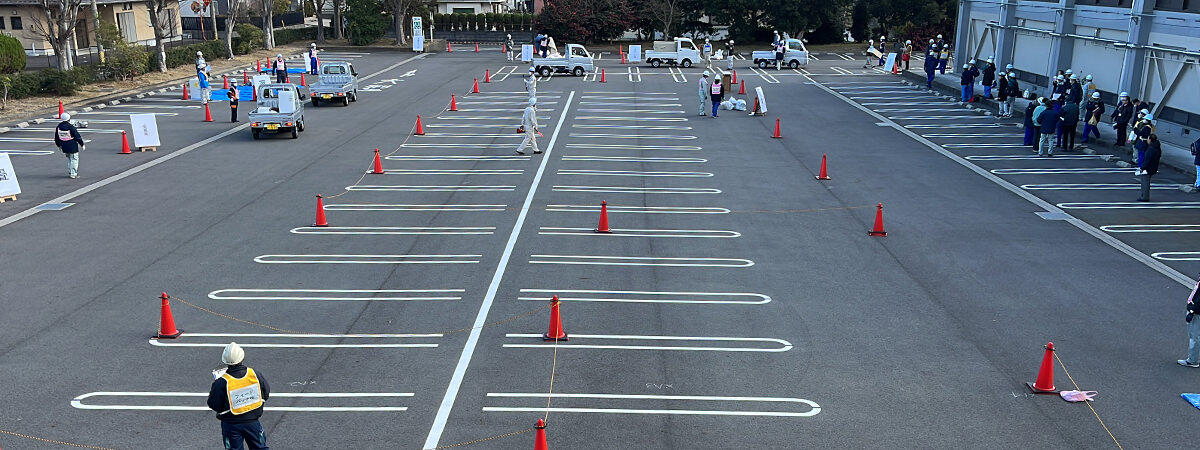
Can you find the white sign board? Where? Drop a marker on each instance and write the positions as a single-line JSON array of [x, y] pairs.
[[145, 130], [762, 100], [635, 53], [418, 35], [526, 52], [8, 177], [890, 62], [287, 102]]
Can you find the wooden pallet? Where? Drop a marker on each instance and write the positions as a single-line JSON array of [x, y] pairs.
[[143, 149], [9, 198]]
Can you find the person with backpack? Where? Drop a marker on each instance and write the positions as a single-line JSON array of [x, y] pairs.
[[1031, 137]]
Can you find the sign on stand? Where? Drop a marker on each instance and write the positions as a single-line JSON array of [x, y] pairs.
[[145, 131], [526, 52], [418, 35], [9, 188], [762, 101], [890, 62], [635, 53]]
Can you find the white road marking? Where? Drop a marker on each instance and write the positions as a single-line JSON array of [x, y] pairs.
[[1130, 205], [475, 135], [1151, 228], [630, 136], [337, 295], [964, 116], [783, 345], [1094, 186], [637, 104], [367, 259], [406, 188], [1063, 171], [42, 140], [629, 232], [513, 103], [290, 340], [631, 173], [510, 126], [407, 207], [1177, 256], [393, 230], [26, 152], [480, 145], [605, 97], [638, 261], [453, 171], [634, 119], [51, 129], [458, 158], [1030, 157], [494, 110], [121, 113], [967, 112], [512, 118], [958, 125], [636, 190], [627, 111], [633, 127], [635, 147], [639, 209], [985, 146], [191, 405], [633, 159], [709, 298], [974, 135]]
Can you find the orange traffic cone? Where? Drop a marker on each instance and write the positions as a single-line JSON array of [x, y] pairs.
[[556, 332], [877, 230], [487, 76], [742, 89], [420, 131], [503, 48], [302, 80], [207, 114], [622, 58], [776, 135], [754, 110], [185, 92], [166, 321], [258, 65], [539, 438], [124, 144], [602, 80], [448, 47], [734, 78], [602, 227], [824, 173], [60, 109], [225, 81], [245, 78], [288, 79], [378, 170], [320, 222], [453, 103], [1045, 377], [475, 88], [476, 47]]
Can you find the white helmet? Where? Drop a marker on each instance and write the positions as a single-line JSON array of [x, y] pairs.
[[199, 53], [1060, 78], [1144, 112], [532, 101], [314, 45], [931, 41], [65, 117], [1069, 72], [966, 66], [233, 354], [706, 74], [908, 41], [1149, 117], [1088, 78], [508, 36], [1096, 95], [1008, 67], [991, 60], [1074, 77], [972, 62], [939, 36], [1003, 74], [1027, 94], [1123, 95], [531, 70], [1012, 74]]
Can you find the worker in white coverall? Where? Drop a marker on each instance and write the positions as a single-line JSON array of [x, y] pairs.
[[531, 83], [704, 93], [530, 125]]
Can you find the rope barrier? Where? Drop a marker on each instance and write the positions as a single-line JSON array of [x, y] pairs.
[[1089, 404], [52, 441]]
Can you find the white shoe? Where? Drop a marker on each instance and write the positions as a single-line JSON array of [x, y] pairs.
[[1183, 362], [73, 176]]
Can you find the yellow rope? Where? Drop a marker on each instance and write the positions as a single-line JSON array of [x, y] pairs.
[[52, 441], [1089, 404]]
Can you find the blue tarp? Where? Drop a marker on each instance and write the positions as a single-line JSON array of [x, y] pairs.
[[290, 70], [1194, 399], [245, 93]]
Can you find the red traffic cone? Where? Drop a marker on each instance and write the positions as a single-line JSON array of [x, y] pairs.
[[320, 221], [503, 48], [622, 58], [225, 81], [754, 110], [776, 135], [824, 173], [166, 321], [602, 227], [742, 89], [288, 79], [185, 92], [207, 114], [420, 131], [539, 437], [245, 78], [476, 47], [60, 109], [475, 88], [556, 332], [1045, 377], [453, 103], [302, 80], [602, 79], [378, 170], [877, 230], [487, 76], [734, 78], [448, 47], [124, 144], [258, 65]]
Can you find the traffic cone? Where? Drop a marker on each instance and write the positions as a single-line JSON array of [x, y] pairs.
[[602, 227], [602, 80], [245, 78], [60, 109], [622, 58], [539, 437], [420, 131], [877, 230], [742, 90], [734, 79], [166, 321], [258, 65], [378, 170], [487, 76], [448, 47], [302, 80], [225, 81], [776, 135], [207, 114], [824, 173], [476, 47], [754, 110], [475, 88], [288, 79], [320, 222], [556, 332], [503, 48], [185, 92], [453, 103], [1045, 377], [124, 144]]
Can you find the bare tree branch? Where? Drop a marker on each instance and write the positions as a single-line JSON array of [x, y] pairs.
[[58, 28]]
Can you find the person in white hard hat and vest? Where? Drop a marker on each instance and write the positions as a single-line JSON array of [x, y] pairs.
[[237, 395], [280, 68], [704, 84], [67, 138], [531, 83], [312, 59]]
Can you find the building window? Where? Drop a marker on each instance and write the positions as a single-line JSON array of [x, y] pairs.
[[463, 10], [16, 23], [127, 7], [2, 23]]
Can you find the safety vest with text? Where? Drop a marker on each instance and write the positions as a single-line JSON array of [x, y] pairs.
[[244, 394], [716, 88]]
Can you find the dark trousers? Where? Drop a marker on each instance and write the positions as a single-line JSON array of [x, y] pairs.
[[233, 104], [251, 434], [281, 76], [1145, 179], [1122, 133], [1067, 139]]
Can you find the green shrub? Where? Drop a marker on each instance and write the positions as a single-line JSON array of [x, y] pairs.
[[249, 38], [366, 22], [290, 35], [122, 60], [12, 55]]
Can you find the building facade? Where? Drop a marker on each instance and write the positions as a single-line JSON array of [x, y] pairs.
[[472, 7], [17, 19]]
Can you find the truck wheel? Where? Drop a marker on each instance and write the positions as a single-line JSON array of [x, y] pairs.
[[655, 63], [686, 63], [762, 64], [256, 134], [544, 71], [345, 101], [577, 72], [794, 64], [295, 134], [315, 103]]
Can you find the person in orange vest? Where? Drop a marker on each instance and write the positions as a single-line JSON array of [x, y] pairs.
[[237, 395]]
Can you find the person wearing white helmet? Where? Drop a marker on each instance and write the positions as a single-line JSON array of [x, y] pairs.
[[729, 51], [508, 47], [1142, 130], [237, 395], [1088, 88], [717, 92], [906, 55], [704, 84], [943, 54], [530, 125], [531, 83], [312, 58], [1005, 90], [871, 50], [989, 78], [1030, 128], [280, 68], [968, 81], [882, 51], [200, 63], [1093, 113], [1067, 126], [68, 140], [708, 48]]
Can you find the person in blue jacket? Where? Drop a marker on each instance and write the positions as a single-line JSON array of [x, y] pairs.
[[1030, 128], [67, 138], [1047, 124], [968, 81], [931, 64]]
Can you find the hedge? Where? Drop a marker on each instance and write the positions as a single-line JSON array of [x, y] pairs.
[[47, 82], [483, 22]]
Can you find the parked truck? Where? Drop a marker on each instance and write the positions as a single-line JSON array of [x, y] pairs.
[[338, 83], [278, 110], [795, 56], [681, 51], [577, 62]]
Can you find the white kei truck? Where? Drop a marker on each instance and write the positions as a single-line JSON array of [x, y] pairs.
[[795, 56], [680, 51], [278, 110], [577, 61]]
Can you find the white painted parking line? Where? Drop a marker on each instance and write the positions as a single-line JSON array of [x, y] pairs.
[[627, 93], [1094, 186], [1177, 256], [913, 104], [406, 207], [432, 145], [120, 113], [511, 118], [510, 126], [964, 116], [632, 159], [925, 110], [974, 135], [631, 105], [496, 102], [1130, 205], [639, 209], [365, 187], [630, 136], [42, 140], [814, 408], [605, 97], [1031, 157], [296, 340], [852, 83], [629, 232], [1151, 228], [629, 111], [634, 147], [49, 130], [637, 190], [886, 97], [474, 135], [707, 298], [367, 259], [632, 127], [128, 105], [980, 146], [591, 260], [631, 173], [453, 171], [338, 295], [192, 404], [393, 230], [458, 158], [958, 125], [26, 152], [1063, 171], [782, 345], [634, 119], [509, 110]]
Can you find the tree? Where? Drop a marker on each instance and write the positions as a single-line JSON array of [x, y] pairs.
[[12, 55], [236, 9], [267, 7], [58, 28], [664, 12], [586, 20], [901, 16], [337, 18], [319, 6], [124, 60], [365, 21], [162, 21], [400, 12]]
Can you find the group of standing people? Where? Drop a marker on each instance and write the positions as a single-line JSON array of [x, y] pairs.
[[712, 91]]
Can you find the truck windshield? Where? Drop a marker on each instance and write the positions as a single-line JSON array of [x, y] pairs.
[[579, 51], [794, 45], [335, 70], [687, 45]]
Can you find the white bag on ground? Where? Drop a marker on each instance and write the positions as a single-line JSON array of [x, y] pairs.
[[739, 105]]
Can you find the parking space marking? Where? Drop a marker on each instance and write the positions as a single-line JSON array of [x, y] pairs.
[[393, 230], [1154, 228], [593, 260], [513, 103], [1129, 205], [632, 127], [958, 125], [633, 159], [406, 207], [814, 408], [912, 104], [631, 173], [630, 136], [965, 116], [588, 295], [783, 345], [510, 118], [1094, 186], [119, 113], [634, 147], [26, 152], [629, 104], [45, 140], [629, 232], [293, 340], [367, 259], [606, 97], [768, 78], [453, 171], [639, 209], [473, 135], [973, 135], [405, 188], [510, 126], [981, 146], [1063, 171], [1031, 157], [625, 93], [627, 111], [513, 97], [636, 190], [458, 158], [634, 119], [338, 295], [431, 145], [509, 110], [190, 405], [1177, 256], [895, 110]]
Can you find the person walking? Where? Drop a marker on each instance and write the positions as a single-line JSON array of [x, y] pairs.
[[989, 78], [708, 49], [280, 67], [907, 55], [870, 48], [67, 138], [1030, 127], [718, 91], [1121, 116], [1070, 121], [1193, 329], [237, 395], [234, 96], [530, 126], [704, 85], [968, 82], [1003, 102], [931, 64], [1088, 87], [531, 83], [729, 50], [1148, 165], [1093, 113], [1047, 124]]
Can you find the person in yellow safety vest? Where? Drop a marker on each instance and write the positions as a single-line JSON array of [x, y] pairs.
[[237, 395]]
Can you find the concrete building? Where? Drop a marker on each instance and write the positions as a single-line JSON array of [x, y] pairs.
[[17, 19], [472, 7], [1148, 48]]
